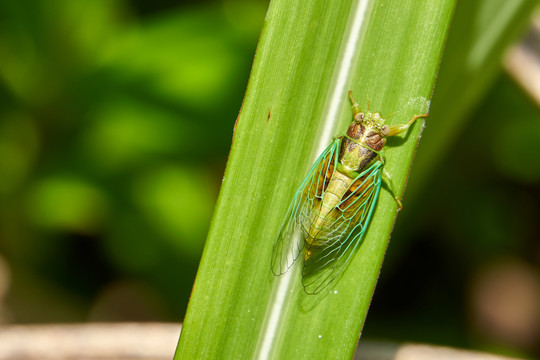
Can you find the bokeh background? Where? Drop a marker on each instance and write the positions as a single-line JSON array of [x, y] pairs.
[[116, 118]]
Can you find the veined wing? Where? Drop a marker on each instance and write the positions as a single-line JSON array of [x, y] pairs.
[[290, 241], [347, 224]]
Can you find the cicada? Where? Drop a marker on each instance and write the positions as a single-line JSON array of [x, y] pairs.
[[329, 214]]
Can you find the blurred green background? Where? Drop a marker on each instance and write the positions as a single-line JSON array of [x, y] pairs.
[[116, 118], [116, 121]]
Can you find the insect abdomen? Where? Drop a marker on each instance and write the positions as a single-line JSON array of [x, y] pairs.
[[320, 227]]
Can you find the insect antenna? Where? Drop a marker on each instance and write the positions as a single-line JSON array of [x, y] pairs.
[[392, 114], [367, 98]]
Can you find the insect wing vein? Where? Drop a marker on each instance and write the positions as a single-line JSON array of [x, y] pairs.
[[290, 241], [326, 262]]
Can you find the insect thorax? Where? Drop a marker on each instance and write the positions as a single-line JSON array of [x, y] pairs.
[[359, 146]]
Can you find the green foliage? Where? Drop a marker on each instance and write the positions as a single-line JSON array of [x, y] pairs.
[[115, 124]]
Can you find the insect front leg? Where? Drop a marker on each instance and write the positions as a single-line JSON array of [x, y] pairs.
[[356, 107], [399, 128]]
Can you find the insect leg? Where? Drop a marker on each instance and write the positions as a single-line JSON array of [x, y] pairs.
[[390, 183], [399, 128], [355, 107]]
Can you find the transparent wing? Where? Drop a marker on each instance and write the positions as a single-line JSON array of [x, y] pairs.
[[344, 231], [290, 241]]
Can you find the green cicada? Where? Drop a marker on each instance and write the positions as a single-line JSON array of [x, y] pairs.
[[331, 210]]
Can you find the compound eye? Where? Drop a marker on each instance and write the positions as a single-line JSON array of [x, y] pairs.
[[385, 130], [359, 117]]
